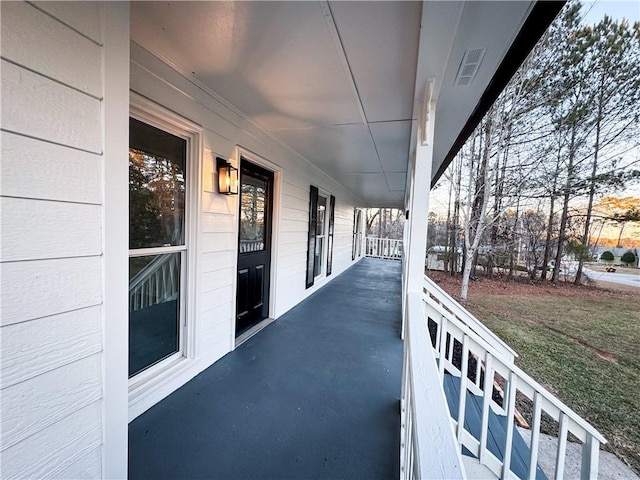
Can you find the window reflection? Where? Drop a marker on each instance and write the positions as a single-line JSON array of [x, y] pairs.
[[156, 187], [253, 197], [154, 309], [320, 234]]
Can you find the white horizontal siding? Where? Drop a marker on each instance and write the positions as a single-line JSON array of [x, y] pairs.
[[38, 107], [41, 170], [220, 314], [221, 204], [213, 280], [220, 223], [218, 241], [214, 261], [44, 229], [46, 287], [51, 451], [39, 346], [83, 17], [84, 467], [295, 225], [30, 407], [288, 239], [216, 326], [51, 240], [215, 298], [45, 48]]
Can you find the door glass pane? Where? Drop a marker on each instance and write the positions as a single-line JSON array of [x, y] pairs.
[[253, 197], [156, 187], [322, 208], [154, 309]]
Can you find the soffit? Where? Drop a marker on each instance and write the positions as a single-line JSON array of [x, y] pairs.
[[488, 25], [337, 82]]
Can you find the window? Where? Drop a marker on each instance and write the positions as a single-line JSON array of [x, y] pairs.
[[356, 241], [320, 236], [320, 241], [157, 244]]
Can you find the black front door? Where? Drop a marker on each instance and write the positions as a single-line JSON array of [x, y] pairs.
[[254, 245]]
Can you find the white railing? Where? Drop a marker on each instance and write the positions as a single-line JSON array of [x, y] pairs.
[[442, 298], [387, 248], [427, 441], [157, 282], [464, 352]]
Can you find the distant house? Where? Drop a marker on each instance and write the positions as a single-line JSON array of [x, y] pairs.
[[617, 255], [438, 254]]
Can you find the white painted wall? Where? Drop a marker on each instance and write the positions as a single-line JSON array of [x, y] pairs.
[[51, 251], [224, 132]]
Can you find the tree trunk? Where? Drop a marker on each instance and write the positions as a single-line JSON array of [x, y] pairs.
[[592, 191], [565, 207], [554, 190]]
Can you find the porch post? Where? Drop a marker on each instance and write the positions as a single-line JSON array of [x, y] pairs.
[[420, 185], [115, 110]]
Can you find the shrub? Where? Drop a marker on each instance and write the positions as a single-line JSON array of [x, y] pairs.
[[607, 256], [628, 257]]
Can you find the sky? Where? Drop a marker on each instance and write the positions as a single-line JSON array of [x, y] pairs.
[[618, 9]]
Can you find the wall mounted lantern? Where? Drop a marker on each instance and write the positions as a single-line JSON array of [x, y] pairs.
[[227, 177]]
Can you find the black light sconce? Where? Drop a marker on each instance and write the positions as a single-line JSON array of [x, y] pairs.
[[227, 177]]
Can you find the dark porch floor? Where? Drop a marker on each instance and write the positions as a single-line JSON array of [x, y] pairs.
[[314, 395]]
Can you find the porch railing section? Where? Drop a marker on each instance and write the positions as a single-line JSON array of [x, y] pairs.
[[467, 352], [387, 248], [427, 441], [157, 282], [442, 298]]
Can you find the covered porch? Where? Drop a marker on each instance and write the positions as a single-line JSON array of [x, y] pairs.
[[316, 394]]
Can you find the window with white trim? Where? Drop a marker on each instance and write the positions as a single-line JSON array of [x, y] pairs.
[[158, 202], [320, 240]]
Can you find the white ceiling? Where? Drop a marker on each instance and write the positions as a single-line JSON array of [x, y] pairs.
[[337, 82]]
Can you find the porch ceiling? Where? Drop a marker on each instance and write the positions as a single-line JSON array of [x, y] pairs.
[[340, 82]]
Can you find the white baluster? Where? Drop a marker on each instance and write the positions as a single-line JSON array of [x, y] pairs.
[[535, 435], [443, 340], [486, 399], [590, 457], [511, 410], [463, 386], [562, 446]]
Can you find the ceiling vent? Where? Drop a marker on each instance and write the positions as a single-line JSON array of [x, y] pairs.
[[469, 66]]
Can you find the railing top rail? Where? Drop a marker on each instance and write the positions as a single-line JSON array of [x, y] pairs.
[[149, 270], [459, 310], [384, 238], [548, 396], [438, 452]]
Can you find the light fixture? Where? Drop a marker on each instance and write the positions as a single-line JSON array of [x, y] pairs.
[[227, 177]]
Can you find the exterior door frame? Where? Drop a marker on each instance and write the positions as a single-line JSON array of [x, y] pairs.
[[241, 152]]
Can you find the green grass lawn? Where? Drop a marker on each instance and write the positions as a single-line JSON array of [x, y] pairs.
[[583, 347]]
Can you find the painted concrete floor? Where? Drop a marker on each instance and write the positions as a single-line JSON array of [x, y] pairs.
[[314, 395]]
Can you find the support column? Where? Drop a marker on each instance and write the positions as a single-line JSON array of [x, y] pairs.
[[420, 186], [115, 327]]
